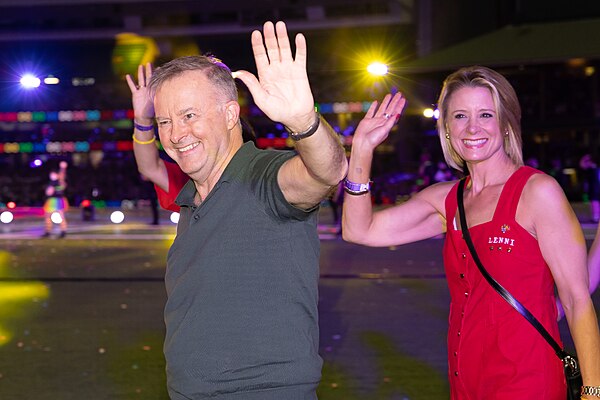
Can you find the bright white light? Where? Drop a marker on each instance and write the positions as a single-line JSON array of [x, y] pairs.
[[175, 217], [117, 217], [377, 68], [29, 81], [56, 218], [51, 80], [6, 217], [37, 162], [436, 114], [428, 112]]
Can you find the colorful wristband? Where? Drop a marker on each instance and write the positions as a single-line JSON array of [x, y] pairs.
[[143, 141], [355, 189], [143, 128]]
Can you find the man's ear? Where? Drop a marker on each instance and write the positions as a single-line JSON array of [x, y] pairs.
[[232, 113]]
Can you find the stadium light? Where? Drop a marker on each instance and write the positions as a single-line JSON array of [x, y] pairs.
[[30, 81], [117, 217], [6, 217], [51, 80], [56, 218], [378, 69]]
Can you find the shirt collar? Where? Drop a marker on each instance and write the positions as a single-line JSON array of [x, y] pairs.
[[234, 168]]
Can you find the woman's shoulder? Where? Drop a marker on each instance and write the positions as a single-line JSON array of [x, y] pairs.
[[436, 194], [542, 188]]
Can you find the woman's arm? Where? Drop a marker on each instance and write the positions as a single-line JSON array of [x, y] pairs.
[[562, 244], [419, 218]]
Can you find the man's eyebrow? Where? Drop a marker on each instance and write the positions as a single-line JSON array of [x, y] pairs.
[[185, 110]]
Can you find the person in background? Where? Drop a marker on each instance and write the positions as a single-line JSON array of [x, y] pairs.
[[443, 173], [167, 177], [242, 273], [591, 184], [594, 262], [149, 193], [593, 266], [56, 202], [493, 351]]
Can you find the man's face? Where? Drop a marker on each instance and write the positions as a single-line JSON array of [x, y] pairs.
[[193, 124]]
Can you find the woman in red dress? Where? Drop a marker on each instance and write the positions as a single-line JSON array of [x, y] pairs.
[[524, 230]]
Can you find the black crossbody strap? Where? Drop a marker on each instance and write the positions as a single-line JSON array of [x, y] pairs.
[[499, 288]]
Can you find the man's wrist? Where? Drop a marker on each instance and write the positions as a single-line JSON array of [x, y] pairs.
[[143, 121], [299, 135], [301, 123]]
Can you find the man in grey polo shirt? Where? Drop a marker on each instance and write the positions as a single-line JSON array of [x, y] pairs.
[[242, 273]]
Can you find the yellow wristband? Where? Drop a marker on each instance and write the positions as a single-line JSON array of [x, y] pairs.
[[143, 142]]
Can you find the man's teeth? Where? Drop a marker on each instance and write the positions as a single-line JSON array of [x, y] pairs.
[[188, 147]]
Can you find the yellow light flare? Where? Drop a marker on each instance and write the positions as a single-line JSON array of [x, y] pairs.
[[428, 113], [377, 68], [5, 336], [20, 291]]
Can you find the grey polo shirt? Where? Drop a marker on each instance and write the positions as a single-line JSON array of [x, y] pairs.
[[242, 276]]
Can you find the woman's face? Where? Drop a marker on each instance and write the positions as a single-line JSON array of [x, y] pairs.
[[473, 125]]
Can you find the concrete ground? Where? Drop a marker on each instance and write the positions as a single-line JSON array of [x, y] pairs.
[[81, 317]]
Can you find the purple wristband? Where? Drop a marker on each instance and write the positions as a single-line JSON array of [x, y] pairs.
[[356, 188], [142, 128]]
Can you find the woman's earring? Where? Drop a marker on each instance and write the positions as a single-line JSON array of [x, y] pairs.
[[447, 136]]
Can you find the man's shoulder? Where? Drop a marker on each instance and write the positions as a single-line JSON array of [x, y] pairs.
[[250, 155]]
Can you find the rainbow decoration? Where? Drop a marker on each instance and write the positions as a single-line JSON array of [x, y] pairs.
[[64, 147], [118, 115], [66, 116], [127, 115]]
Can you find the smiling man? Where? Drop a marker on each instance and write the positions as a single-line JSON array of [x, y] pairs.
[[242, 273]]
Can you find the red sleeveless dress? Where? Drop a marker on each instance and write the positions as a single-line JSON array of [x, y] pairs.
[[493, 351]]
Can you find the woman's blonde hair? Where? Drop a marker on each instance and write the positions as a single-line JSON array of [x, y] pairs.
[[507, 107]]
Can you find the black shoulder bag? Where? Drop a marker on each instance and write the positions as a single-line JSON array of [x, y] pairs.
[[570, 364]]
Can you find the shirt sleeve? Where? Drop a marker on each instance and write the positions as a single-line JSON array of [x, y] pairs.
[[177, 179], [268, 190]]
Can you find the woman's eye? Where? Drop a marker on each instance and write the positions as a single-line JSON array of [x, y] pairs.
[[487, 115], [459, 116], [189, 116]]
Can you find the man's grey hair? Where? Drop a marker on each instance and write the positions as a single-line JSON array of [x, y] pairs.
[[214, 69]]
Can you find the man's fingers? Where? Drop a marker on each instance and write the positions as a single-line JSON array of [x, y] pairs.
[[300, 58], [260, 54], [285, 50], [271, 42], [251, 83]]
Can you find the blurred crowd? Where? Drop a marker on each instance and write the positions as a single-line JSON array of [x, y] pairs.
[[113, 177]]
